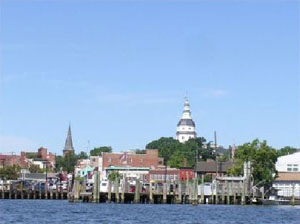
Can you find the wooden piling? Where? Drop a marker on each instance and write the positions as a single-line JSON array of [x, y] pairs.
[[223, 194], [116, 190], [243, 199], [227, 193], [96, 190], [151, 201], [179, 193], [109, 191], [217, 193], [164, 201], [202, 189], [137, 192]]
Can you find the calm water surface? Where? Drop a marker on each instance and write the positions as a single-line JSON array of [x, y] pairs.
[[43, 211]]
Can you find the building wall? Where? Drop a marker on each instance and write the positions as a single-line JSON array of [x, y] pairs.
[[185, 174], [150, 159], [285, 189], [288, 163], [160, 174]]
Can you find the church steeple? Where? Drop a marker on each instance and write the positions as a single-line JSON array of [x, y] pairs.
[[69, 143], [186, 126]]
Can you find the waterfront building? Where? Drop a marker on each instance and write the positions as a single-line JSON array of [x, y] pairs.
[[163, 174], [186, 173], [69, 143], [148, 159], [213, 167], [131, 173], [186, 125], [287, 182], [288, 163]]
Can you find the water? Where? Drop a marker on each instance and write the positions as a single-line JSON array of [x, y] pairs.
[[50, 211]]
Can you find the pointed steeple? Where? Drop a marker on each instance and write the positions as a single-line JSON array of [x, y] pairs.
[[69, 142]]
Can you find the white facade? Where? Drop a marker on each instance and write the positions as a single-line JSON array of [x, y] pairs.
[[288, 189], [288, 163], [186, 126]]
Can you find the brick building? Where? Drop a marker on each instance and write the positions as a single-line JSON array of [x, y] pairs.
[[149, 159], [162, 174], [186, 173], [24, 162]]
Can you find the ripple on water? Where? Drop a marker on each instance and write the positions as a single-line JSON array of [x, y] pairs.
[[51, 211]]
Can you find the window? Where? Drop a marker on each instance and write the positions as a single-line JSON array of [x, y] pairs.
[[292, 167], [109, 159]]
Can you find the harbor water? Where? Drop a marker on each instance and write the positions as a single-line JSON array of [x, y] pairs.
[[51, 211]]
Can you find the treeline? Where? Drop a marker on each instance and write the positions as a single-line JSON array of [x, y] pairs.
[[262, 156]]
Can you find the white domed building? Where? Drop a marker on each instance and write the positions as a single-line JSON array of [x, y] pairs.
[[186, 125]]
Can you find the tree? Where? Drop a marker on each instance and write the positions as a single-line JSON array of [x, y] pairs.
[[177, 154], [286, 151], [10, 172], [35, 169], [66, 163], [263, 158], [165, 146], [114, 175], [97, 151], [82, 155], [31, 155]]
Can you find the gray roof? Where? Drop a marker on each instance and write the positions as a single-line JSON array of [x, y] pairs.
[[69, 142], [186, 132], [37, 176], [211, 166], [188, 122]]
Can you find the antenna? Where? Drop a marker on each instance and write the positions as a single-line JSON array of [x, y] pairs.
[[215, 134]]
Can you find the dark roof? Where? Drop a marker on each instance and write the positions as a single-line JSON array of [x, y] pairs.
[[211, 166], [69, 142], [186, 132], [188, 122]]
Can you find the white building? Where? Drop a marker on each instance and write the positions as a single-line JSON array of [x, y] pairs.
[[186, 126], [288, 163], [288, 180]]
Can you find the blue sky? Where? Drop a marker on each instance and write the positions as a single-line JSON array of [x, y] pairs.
[[119, 72]]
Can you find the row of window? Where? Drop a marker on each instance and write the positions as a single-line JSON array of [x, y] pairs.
[[162, 177], [130, 160], [292, 167]]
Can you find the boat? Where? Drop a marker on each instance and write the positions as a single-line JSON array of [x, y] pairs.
[[274, 200]]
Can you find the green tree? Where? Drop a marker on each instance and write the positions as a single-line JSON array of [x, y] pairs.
[[114, 175], [176, 154], [66, 163], [97, 151], [10, 172], [263, 158], [286, 151], [35, 169], [31, 155], [82, 155], [166, 146]]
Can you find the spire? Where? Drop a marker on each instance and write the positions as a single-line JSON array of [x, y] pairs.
[[69, 142], [186, 111]]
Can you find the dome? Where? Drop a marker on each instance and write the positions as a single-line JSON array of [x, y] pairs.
[[186, 122]]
